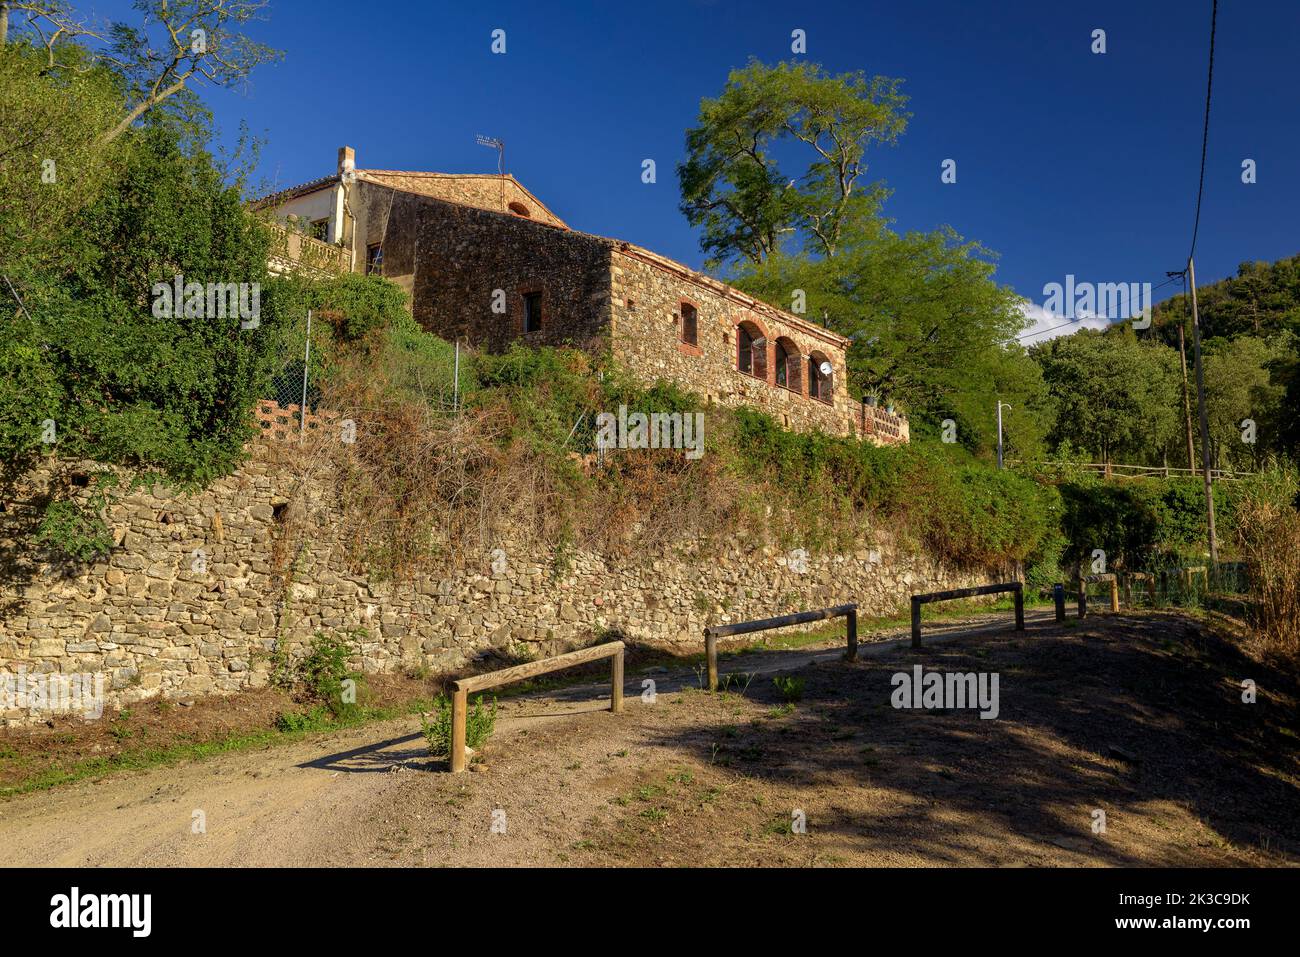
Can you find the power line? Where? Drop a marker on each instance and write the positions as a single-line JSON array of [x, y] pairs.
[[1205, 132], [1070, 322]]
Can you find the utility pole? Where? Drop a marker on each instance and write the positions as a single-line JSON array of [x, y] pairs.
[[1187, 401], [1001, 404], [1205, 419], [1182, 360]]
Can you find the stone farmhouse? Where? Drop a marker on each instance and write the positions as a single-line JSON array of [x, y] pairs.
[[486, 262]]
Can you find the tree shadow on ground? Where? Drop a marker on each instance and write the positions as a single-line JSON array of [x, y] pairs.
[[1114, 714]]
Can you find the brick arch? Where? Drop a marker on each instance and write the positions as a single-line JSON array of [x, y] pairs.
[[753, 321], [824, 390], [760, 365], [792, 375]]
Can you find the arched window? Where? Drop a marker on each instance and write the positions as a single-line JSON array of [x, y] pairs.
[[788, 365], [751, 350], [821, 378], [519, 209]]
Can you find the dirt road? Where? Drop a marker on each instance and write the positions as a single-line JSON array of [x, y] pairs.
[[697, 778]]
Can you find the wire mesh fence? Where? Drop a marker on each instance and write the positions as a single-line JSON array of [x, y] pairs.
[[409, 368], [1161, 586], [293, 392]]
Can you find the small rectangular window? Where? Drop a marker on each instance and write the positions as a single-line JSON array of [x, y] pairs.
[[532, 312], [375, 259], [690, 325], [319, 229]]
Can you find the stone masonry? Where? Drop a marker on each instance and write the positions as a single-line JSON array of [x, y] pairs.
[[471, 250], [155, 621]]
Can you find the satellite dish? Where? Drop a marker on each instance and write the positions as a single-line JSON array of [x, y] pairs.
[[825, 369]]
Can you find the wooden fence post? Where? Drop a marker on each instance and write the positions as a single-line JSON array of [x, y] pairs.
[[459, 703], [1058, 598], [916, 622], [852, 654], [711, 652], [1083, 593], [1020, 606], [616, 683], [1114, 594]]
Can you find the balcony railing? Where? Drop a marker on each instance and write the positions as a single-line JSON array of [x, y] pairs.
[[883, 425], [293, 252]]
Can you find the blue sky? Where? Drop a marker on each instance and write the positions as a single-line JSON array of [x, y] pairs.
[[1067, 161]]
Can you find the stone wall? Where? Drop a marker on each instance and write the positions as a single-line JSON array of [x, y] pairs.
[[647, 302], [451, 258], [198, 587], [483, 190]]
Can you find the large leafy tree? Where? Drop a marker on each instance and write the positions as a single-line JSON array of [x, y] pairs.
[[733, 185], [1239, 390], [171, 393], [774, 179], [1117, 397], [89, 370], [51, 164], [926, 323], [173, 46]]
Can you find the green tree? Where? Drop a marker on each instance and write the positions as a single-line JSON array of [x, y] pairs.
[[1116, 397], [51, 165], [86, 352], [926, 322], [1240, 388], [732, 184], [175, 45]]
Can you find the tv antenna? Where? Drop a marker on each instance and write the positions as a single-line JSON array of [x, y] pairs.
[[500, 147]]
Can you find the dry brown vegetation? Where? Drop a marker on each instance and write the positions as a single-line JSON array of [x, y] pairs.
[[1268, 535], [424, 486]]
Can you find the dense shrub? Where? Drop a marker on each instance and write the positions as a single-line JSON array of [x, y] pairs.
[[479, 724], [1267, 532], [1145, 523], [322, 676], [119, 383], [962, 510]]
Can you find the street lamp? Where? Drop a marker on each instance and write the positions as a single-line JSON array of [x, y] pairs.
[[1001, 406]]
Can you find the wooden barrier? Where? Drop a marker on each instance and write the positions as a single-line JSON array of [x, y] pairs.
[[494, 679], [714, 632], [1017, 588], [1089, 579], [1058, 599], [1130, 578]]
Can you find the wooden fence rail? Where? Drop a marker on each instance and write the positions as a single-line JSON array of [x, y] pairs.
[[1135, 471], [1017, 588], [714, 632], [1086, 580], [495, 679]]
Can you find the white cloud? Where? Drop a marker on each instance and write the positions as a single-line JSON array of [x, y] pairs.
[[1043, 324]]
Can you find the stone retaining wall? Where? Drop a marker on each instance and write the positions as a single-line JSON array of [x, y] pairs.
[[195, 593]]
